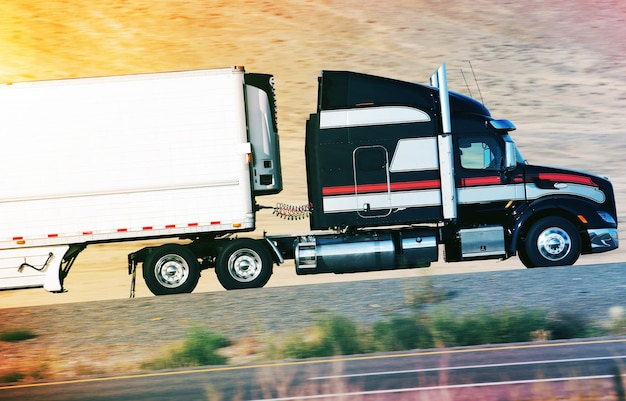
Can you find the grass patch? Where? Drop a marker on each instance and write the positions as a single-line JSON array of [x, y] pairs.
[[340, 336], [16, 335], [12, 377], [430, 328], [564, 325], [199, 349], [401, 333], [487, 327], [332, 336]]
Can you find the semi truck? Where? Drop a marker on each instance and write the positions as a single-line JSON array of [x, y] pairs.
[[396, 171]]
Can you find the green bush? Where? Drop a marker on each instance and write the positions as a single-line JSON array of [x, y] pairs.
[[401, 333], [564, 325], [12, 377], [16, 335], [340, 336], [198, 349], [487, 327]]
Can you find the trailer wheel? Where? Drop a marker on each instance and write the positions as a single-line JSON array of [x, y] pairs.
[[171, 269], [244, 263], [551, 241]]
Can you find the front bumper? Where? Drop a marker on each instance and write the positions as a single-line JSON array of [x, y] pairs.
[[603, 239]]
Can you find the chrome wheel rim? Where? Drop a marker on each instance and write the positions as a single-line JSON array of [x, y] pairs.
[[171, 270], [245, 265], [554, 244]]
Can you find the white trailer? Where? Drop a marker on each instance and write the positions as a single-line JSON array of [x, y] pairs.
[[92, 160]]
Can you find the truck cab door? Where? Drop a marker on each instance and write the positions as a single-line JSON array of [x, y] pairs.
[[483, 186], [371, 180]]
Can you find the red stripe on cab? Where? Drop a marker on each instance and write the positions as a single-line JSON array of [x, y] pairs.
[[381, 187], [567, 178], [480, 181]]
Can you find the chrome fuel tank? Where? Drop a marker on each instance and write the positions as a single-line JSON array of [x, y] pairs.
[[368, 251]]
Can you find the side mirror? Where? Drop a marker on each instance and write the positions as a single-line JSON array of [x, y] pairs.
[[510, 160]]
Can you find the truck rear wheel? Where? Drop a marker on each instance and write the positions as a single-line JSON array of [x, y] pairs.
[[551, 241], [244, 263], [171, 269]]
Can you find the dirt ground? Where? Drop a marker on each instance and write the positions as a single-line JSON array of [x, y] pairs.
[[556, 69]]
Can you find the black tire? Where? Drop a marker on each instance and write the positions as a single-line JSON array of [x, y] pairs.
[[244, 263], [551, 241], [171, 269], [523, 257]]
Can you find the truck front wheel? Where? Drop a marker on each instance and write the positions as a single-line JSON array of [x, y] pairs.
[[244, 263], [551, 241], [171, 269]]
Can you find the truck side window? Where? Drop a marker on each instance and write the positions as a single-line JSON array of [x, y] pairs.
[[480, 153]]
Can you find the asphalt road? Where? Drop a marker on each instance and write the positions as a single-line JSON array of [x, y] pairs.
[[528, 371]]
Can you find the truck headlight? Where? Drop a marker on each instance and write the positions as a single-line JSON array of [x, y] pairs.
[[606, 217]]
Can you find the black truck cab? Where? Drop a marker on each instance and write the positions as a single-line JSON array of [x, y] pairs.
[[376, 154]]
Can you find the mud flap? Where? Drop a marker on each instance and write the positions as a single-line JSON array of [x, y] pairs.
[[53, 281]]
